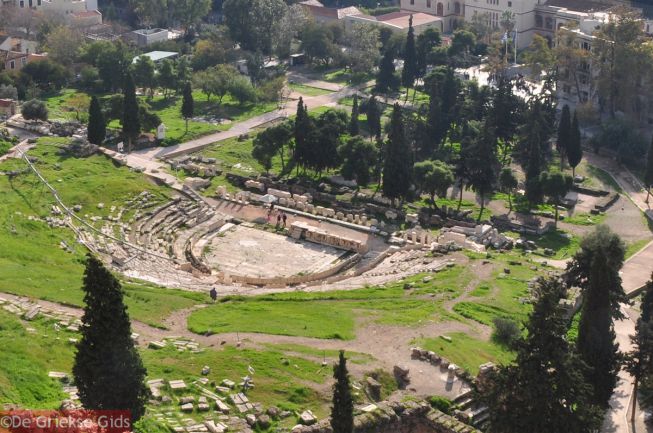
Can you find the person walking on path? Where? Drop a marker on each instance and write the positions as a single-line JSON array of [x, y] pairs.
[[285, 217]]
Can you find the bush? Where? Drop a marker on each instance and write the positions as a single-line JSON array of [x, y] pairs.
[[506, 331], [441, 403], [34, 109]]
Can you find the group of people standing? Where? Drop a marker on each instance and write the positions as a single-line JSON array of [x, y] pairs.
[[282, 218]]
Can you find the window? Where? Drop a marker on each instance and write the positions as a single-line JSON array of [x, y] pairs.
[[22, 3], [31, 3], [586, 46], [456, 8], [12, 65], [428, 4], [584, 66], [509, 4], [440, 10], [38, 2], [412, 2], [584, 96], [539, 21], [23, 61], [548, 23]]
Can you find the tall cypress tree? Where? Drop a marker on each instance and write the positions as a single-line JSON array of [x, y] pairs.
[[187, 104], [409, 73], [648, 174], [374, 117], [131, 125], [398, 161], [108, 370], [595, 269], [97, 129], [301, 132], [575, 151], [564, 134], [483, 165], [386, 79], [342, 411], [353, 123]]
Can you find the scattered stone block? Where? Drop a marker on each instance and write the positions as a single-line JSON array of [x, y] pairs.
[[156, 344], [188, 407], [264, 422], [206, 370], [307, 418], [177, 385]]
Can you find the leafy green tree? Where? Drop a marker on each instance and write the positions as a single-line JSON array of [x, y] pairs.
[[34, 110], [342, 411], [363, 53], [144, 73], [426, 42], [433, 177], [113, 62], [184, 73], [575, 151], [508, 183], [215, 80], [648, 174], [504, 114], [272, 142], [564, 134], [167, 76], [255, 24], [545, 390], [97, 129], [318, 44], [595, 269], [108, 370], [131, 125], [409, 72], [241, 89], [354, 129], [386, 80], [359, 159], [539, 56], [191, 12], [398, 159], [187, 104], [483, 166], [324, 139], [555, 186], [373, 111]]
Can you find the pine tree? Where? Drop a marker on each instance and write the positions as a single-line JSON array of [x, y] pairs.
[[575, 151], [187, 104], [97, 129], [398, 161], [595, 269], [483, 166], [131, 126], [374, 117], [386, 79], [108, 370], [409, 73], [564, 134], [302, 129], [648, 174], [353, 123], [342, 411], [545, 390]]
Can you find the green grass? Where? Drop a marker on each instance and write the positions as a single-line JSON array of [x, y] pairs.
[[467, 352], [502, 295], [634, 247], [585, 219], [59, 107], [563, 244], [308, 90], [25, 359], [341, 76], [331, 315], [286, 386]]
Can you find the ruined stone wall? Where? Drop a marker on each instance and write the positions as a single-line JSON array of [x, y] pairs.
[[407, 417]]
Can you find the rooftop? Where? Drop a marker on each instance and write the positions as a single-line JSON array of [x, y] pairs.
[[149, 31], [157, 55], [334, 13], [400, 20]]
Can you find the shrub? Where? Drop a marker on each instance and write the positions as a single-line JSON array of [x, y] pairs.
[[441, 403], [506, 331], [34, 109]]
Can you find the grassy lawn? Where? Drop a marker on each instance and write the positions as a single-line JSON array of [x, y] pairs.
[[585, 219], [332, 315], [341, 76], [308, 90], [25, 360], [563, 244], [60, 107], [467, 352], [634, 247], [503, 295]]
